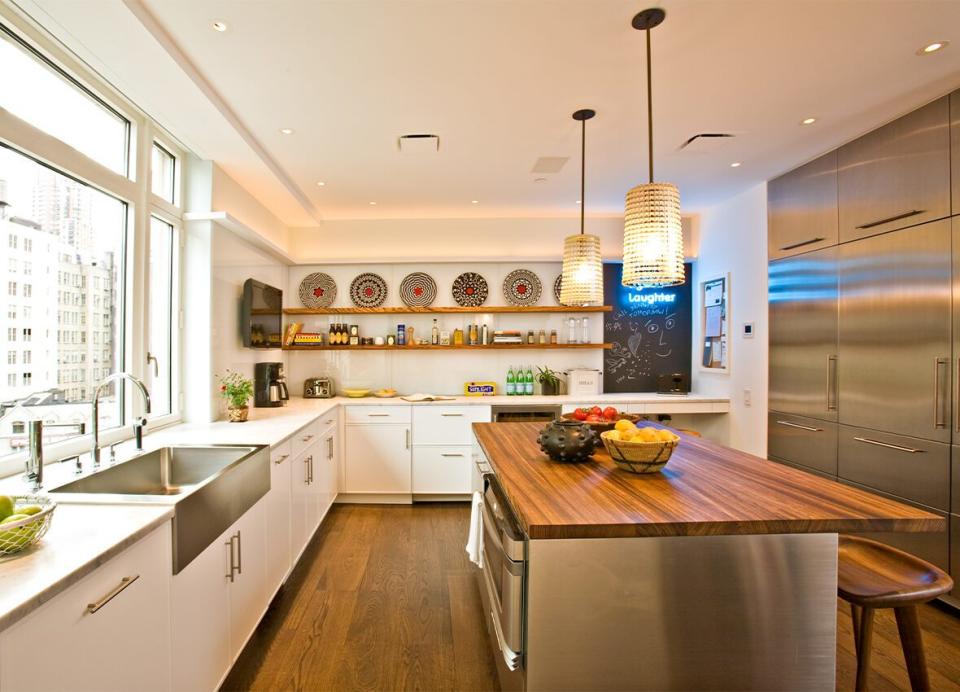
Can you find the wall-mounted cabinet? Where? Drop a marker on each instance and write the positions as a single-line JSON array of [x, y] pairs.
[[802, 208], [898, 175]]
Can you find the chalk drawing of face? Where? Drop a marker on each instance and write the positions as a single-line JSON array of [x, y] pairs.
[[661, 348]]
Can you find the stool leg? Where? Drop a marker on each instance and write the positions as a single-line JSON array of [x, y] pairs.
[[855, 618], [863, 647], [908, 624]]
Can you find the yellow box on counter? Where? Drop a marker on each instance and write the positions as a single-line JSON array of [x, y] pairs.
[[480, 388]]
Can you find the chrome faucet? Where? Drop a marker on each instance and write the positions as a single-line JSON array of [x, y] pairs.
[[34, 471], [95, 452]]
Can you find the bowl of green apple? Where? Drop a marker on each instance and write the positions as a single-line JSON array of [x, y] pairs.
[[24, 519]]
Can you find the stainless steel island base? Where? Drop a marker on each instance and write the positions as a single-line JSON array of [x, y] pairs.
[[682, 613]]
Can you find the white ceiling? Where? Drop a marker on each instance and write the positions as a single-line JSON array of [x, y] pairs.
[[497, 80]]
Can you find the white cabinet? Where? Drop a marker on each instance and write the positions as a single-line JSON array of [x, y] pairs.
[[377, 458], [442, 439], [444, 470], [123, 645], [447, 425], [304, 509], [279, 548], [328, 468], [218, 599]]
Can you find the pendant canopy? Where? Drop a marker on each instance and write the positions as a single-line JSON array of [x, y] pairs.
[[582, 277], [652, 233]]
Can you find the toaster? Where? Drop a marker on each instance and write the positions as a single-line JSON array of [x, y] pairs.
[[318, 388]]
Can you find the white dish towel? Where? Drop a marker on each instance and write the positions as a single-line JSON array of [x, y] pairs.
[[475, 536]]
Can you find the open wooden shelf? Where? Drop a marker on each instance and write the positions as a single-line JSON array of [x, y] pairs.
[[431, 347], [446, 310]]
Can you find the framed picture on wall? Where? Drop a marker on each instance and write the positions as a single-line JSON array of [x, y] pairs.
[[715, 324]]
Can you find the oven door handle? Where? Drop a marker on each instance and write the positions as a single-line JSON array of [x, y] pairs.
[[510, 657]]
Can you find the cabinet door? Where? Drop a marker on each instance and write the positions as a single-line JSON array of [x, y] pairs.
[[314, 489], [802, 208], [124, 645], [249, 595], [201, 619], [278, 504], [898, 175], [328, 470], [955, 152], [447, 425], [894, 331], [441, 469], [377, 459], [300, 499], [803, 334]]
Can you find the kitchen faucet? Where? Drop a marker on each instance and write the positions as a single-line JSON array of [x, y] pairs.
[[34, 471], [95, 452]]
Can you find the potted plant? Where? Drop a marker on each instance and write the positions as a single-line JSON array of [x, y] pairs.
[[549, 381], [237, 390]]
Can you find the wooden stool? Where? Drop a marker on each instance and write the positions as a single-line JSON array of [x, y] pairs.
[[872, 575]]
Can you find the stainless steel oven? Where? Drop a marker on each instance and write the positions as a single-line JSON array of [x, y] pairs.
[[503, 581]]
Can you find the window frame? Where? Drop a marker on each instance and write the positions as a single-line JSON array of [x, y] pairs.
[[135, 190]]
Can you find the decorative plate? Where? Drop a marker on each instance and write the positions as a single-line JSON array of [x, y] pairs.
[[470, 290], [557, 283], [318, 290], [368, 290], [418, 290], [522, 287]]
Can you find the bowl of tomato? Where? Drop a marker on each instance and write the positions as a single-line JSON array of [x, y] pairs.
[[600, 419]]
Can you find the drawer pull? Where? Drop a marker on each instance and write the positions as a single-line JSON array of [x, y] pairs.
[[868, 441], [794, 246], [280, 460], [307, 438], [328, 421], [450, 454], [905, 215], [797, 425], [452, 415], [114, 592], [378, 415]]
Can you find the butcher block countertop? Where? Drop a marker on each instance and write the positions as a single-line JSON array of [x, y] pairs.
[[706, 489]]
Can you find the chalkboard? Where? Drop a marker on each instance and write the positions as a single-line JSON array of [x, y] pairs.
[[650, 330]]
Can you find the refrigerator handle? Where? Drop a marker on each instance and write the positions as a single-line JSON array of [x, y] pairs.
[[940, 396], [831, 383]]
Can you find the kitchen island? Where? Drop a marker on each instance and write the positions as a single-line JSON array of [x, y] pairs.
[[718, 572]]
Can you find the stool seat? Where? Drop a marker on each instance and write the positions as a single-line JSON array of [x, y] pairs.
[[879, 576]]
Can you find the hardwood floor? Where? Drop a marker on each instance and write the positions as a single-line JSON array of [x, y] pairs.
[[385, 599]]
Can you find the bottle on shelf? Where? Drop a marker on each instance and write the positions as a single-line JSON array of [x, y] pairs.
[[585, 331], [401, 335], [571, 331], [542, 339], [330, 331], [484, 334], [474, 334], [528, 381], [435, 333], [511, 382], [553, 336], [530, 338]]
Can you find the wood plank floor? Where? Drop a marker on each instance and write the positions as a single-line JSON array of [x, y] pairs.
[[385, 599]]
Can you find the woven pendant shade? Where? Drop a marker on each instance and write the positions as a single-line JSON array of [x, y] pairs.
[[653, 237], [582, 282]]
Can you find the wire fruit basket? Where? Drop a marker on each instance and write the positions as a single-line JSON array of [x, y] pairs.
[[639, 457], [21, 533]]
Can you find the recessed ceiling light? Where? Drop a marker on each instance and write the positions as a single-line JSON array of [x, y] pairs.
[[373, 204], [219, 26], [933, 47], [286, 131], [735, 164], [808, 121], [474, 201], [320, 183]]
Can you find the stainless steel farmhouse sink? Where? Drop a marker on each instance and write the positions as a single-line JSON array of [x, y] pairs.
[[209, 487]]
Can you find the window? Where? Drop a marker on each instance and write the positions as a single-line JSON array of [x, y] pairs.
[[27, 291], [11, 288], [27, 334], [160, 302], [39, 93], [11, 333], [11, 357], [18, 427], [12, 241], [27, 379], [12, 379], [163, 178], [28, 245], [27, 357]]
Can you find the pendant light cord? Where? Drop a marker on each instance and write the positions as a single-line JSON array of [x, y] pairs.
[[649, 105], [583, 170]]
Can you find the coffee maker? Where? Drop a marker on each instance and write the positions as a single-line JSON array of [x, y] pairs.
[[269, 386]]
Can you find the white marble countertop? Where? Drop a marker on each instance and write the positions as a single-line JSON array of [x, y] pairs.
[[84, 536]]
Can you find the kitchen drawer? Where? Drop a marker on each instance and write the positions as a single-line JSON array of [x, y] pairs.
[[281, 452], [447, 425], [442, 469], [378, 414], [802, 208], [801, 467], [906, 467], [304, 437], [896, 176], [327, 421], [805, 441]]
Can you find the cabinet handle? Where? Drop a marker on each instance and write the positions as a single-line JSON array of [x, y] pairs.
[[450, 454], [311, 469], [330, 448], [306, 471], [233, 565], [794, 246], [939, 394], [797, 425], [378, 415], [280, 460], [905, 215], [831, 383], [328, 422], [114, 592], [452, 415], [868, 441], [239, 553], [408, 438], [307, 438]]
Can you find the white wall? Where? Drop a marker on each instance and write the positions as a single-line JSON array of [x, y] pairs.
[[227, 195], [733, 239]]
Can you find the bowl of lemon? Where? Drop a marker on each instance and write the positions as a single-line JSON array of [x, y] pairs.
[[24, 519], [639, 449]]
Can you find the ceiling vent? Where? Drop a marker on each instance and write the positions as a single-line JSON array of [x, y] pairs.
[[549, 164], [418, 144], [706, 142]]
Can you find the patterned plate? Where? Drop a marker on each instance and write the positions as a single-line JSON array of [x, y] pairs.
[[470, 290], [557, 283], [368, 290], [418, 290], [318, 290], [522, 287]]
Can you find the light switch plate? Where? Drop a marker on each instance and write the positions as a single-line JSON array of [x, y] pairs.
[[748, 330]]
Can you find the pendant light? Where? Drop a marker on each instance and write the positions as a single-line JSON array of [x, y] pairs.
[[652, 234], [582, 282]]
